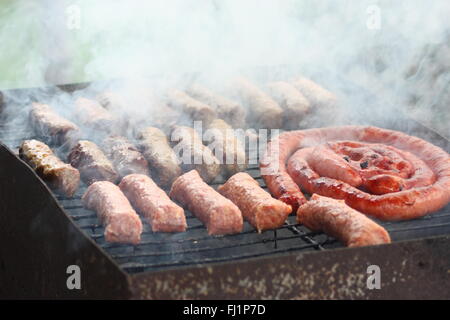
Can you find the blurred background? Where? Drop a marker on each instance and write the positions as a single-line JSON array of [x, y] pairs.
[[397, 49]]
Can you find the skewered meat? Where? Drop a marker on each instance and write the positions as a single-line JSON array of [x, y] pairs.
[[92, 114], [124, 156], [257, 206], [122, 224], [226, 146], [228, 110], [51, 126], [316, 95], [424, 187], [93, 164], [193, 108], [49, 167], [162, 159], [194, 154], [295, 105], [219, 214], [161, 212], [263, 111], [340, 221]]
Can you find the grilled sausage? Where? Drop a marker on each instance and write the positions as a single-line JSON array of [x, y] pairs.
[[194, 154], [49, 125], [135, 105], [49, 167], [405, 204], [226, 146], [263, 111], [162, 214], [162, 159], [295, 105], [220, 215], [226, 109], [124, 156], [189, 106], [92, 163], [122, 224], [257, 206], [340, 221], [91, 114], [316, 95]]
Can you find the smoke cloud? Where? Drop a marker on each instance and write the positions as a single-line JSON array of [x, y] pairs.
[[358, 49]]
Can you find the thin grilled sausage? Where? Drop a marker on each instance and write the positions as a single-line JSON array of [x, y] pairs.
[[49, 167], [162, 213], [196, 110], [294, 103], [122, 224], [226, 146], [257, 206], [226, 109], [51, 126], [318, 96], [92, 163], [195, 155], [125, 157], [264, 112], [219, 214], [340, 221], [160, 156], [91, 114]]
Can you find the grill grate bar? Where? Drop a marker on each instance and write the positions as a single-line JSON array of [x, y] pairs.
[[142, 266], [196, 250]]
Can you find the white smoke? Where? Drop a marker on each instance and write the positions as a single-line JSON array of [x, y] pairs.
[[370, 44]]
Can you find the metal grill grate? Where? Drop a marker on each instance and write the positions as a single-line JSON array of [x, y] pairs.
[[161, 250]]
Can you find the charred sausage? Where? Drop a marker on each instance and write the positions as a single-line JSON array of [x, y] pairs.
[[93, 164], [49, 167]]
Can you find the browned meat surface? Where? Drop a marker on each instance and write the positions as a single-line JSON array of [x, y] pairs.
[[189, 106], [49, 167], [257, 206], [226, 146], [153, 203], [139, 107], [219, 214], [160, 156], [91, 114], [295, 105], [316, 95], [49, 125], [193, 154], [340, 221], [226, 109], [122, 224], [92, 163], [124, 156], [263, 111]]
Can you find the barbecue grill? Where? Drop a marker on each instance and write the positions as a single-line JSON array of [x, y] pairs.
[[43, 233]]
